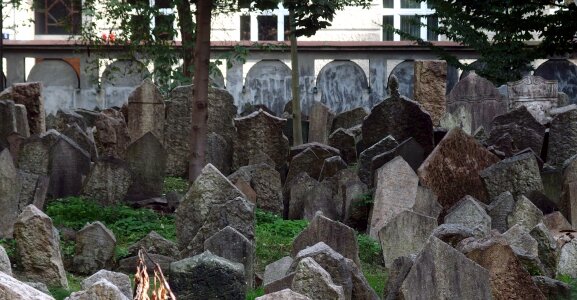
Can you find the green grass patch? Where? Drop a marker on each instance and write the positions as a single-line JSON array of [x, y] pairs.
[[253, 294], [572, 282], [175, 184], [73, 286], [128, 224]]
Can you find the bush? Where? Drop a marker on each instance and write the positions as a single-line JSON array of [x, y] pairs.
[[175, 184]]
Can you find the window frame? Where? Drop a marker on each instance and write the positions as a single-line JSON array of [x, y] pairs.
[[397, 12]]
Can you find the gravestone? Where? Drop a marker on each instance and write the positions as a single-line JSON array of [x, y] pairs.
[[30, 95], [146, 111], [404, 235], [230, 244], [409, 150], [518, 237], [524, 131], [499, 209], [34, 189], [108, 181], [7, 119], [568, 259], [568, 198], [469, 213], [452, 170], [266, 183], [14, 289], [345, 142], [426, 203], [276, 270], [320, 198], [310, 160], [430, 87], [525, 214], [538, 95], [331, 167], [38, 245], [68, 166], [315, 282], [9, 192], [366, 174], [94, 248], [562, 136], [479, 97], [79, 136], [296, 191], [446, 263], [396, 191], [64, 119], [349, 118], [547, 248], [34, 155], [565, 72], [321, 121], [286, 294], [260, 132], [122, 281], [518, 175], [146, 159], [111, 136], [156, 244], [400, 117], [22, 120]]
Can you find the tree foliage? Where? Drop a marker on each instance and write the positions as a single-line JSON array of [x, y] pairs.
[[502, 33]]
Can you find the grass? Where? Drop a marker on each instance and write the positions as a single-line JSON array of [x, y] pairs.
[[175, 184], [73, 286], [572, 282]]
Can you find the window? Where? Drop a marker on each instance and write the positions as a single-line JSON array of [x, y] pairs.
[[432, 24], [245, 28], [411, 25], [402, 15], [388, 3], [388, 34], [161, 25], [57, 16], [287, 28], [410, 4], [267, 28]]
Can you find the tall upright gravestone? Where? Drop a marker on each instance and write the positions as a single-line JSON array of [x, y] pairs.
[[430, 87], [30, 95], [146, 160], [68, 165], [538, 95], [478, 96], [9, 190], [146, 111]]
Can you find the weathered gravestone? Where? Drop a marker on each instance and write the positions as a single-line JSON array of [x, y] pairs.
[[409, 150], [396, 191], [102, 289], [565, 72], [30, 95], [405, 234], [320, 198], [567, 264], [309, 158], [34, 189], [538, 95], [499, 209], [79, 136], [69, 164], [345, 141], [568, 198], [295, 193], [230, 244], [525, 214], [480, 98], [94, 248], [207, 276], [366, 157], [331, 167], [260, 132], [13, 119], [9, 192], [266, 182], [276, 270], [16, 290], [108, 181], [111, 136], [447, 264], [286, 294], [315, 282], [34, 155], [38, 244], [452, 170], [547, 248], [146, 111], [146, 159], [349, 118], [430, 87], [469, 213], [64, 119], [523, 130], [122, 281], [321, 121], [400, 117], [562, 136]]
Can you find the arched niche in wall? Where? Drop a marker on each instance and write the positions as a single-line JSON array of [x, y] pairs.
[[565, 72], [215, 78], [343, 85], [60, 82], [268, 82], [405, 73], [120, 78]]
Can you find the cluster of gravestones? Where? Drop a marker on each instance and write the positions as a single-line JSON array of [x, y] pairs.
[[472, 187]]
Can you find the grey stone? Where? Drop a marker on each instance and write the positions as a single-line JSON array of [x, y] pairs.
[[556, 223], [331, 166], [81, 138], [313, 281], [356, 207], [452, 234], [207, 276], [404, 235], [553, 289], [128, 265], [111, 136], [64, 119], [321, 198], [286, 294], [146, 159], [34, 189], [563, 71], [562, 136], [38, 245], [430, 87], [276, 270], [567, 264], [398, 271], [446, 263], [154, 243], [366, 157], [396, 191], [101, 290], [30, 95], [39, 286], [266, 182], [68, 166], [523, 129], [296, 192], [121, 281], [469, 213], [309, 160], [568, 195], [349, 118], [11, 288], [108, 181], [426, 203], [230, 244], [499, 210], [280, 284], [260, 132], [525, 214], [34, 155], [518, 175], [409, 150], [217, 152], [146, 111], [5, 265], [345, 141], [9, 193], [94, 248], [521, 241], [547, 247], [336, 235], [320, 124], [538, 95]]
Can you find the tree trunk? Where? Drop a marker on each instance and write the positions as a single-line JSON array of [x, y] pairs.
[[200, 90], [186, 26], [296, 100]]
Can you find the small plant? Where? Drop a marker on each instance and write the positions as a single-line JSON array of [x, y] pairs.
[[175, 184], [365, 199]]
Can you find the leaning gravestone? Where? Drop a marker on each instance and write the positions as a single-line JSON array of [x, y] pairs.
[[565, 72], [518, 175], [538, 95], [34, 189], [122, 281], [267, 185], [108, 181], [111, 136], [9, 191], [409, 150], [405, 234], [446, 264], [146, 161], [69, 164], [146, 111], [310, 160], [315, 282], [499, 208], [452, 170], [430, 87], [366, 158], [349, 118], [562, 136], [38, 244], [94, 248], [30, 95], [34, 155], [260, 132], [345, 141], [79, 136], [7, 118], [469, 213], [524, 131], [321, 121], [396, 191], [479, 97], [400, 117]]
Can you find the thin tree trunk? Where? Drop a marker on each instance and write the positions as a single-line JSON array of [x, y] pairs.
[[187, 33], [296, 100], [200, 90]]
